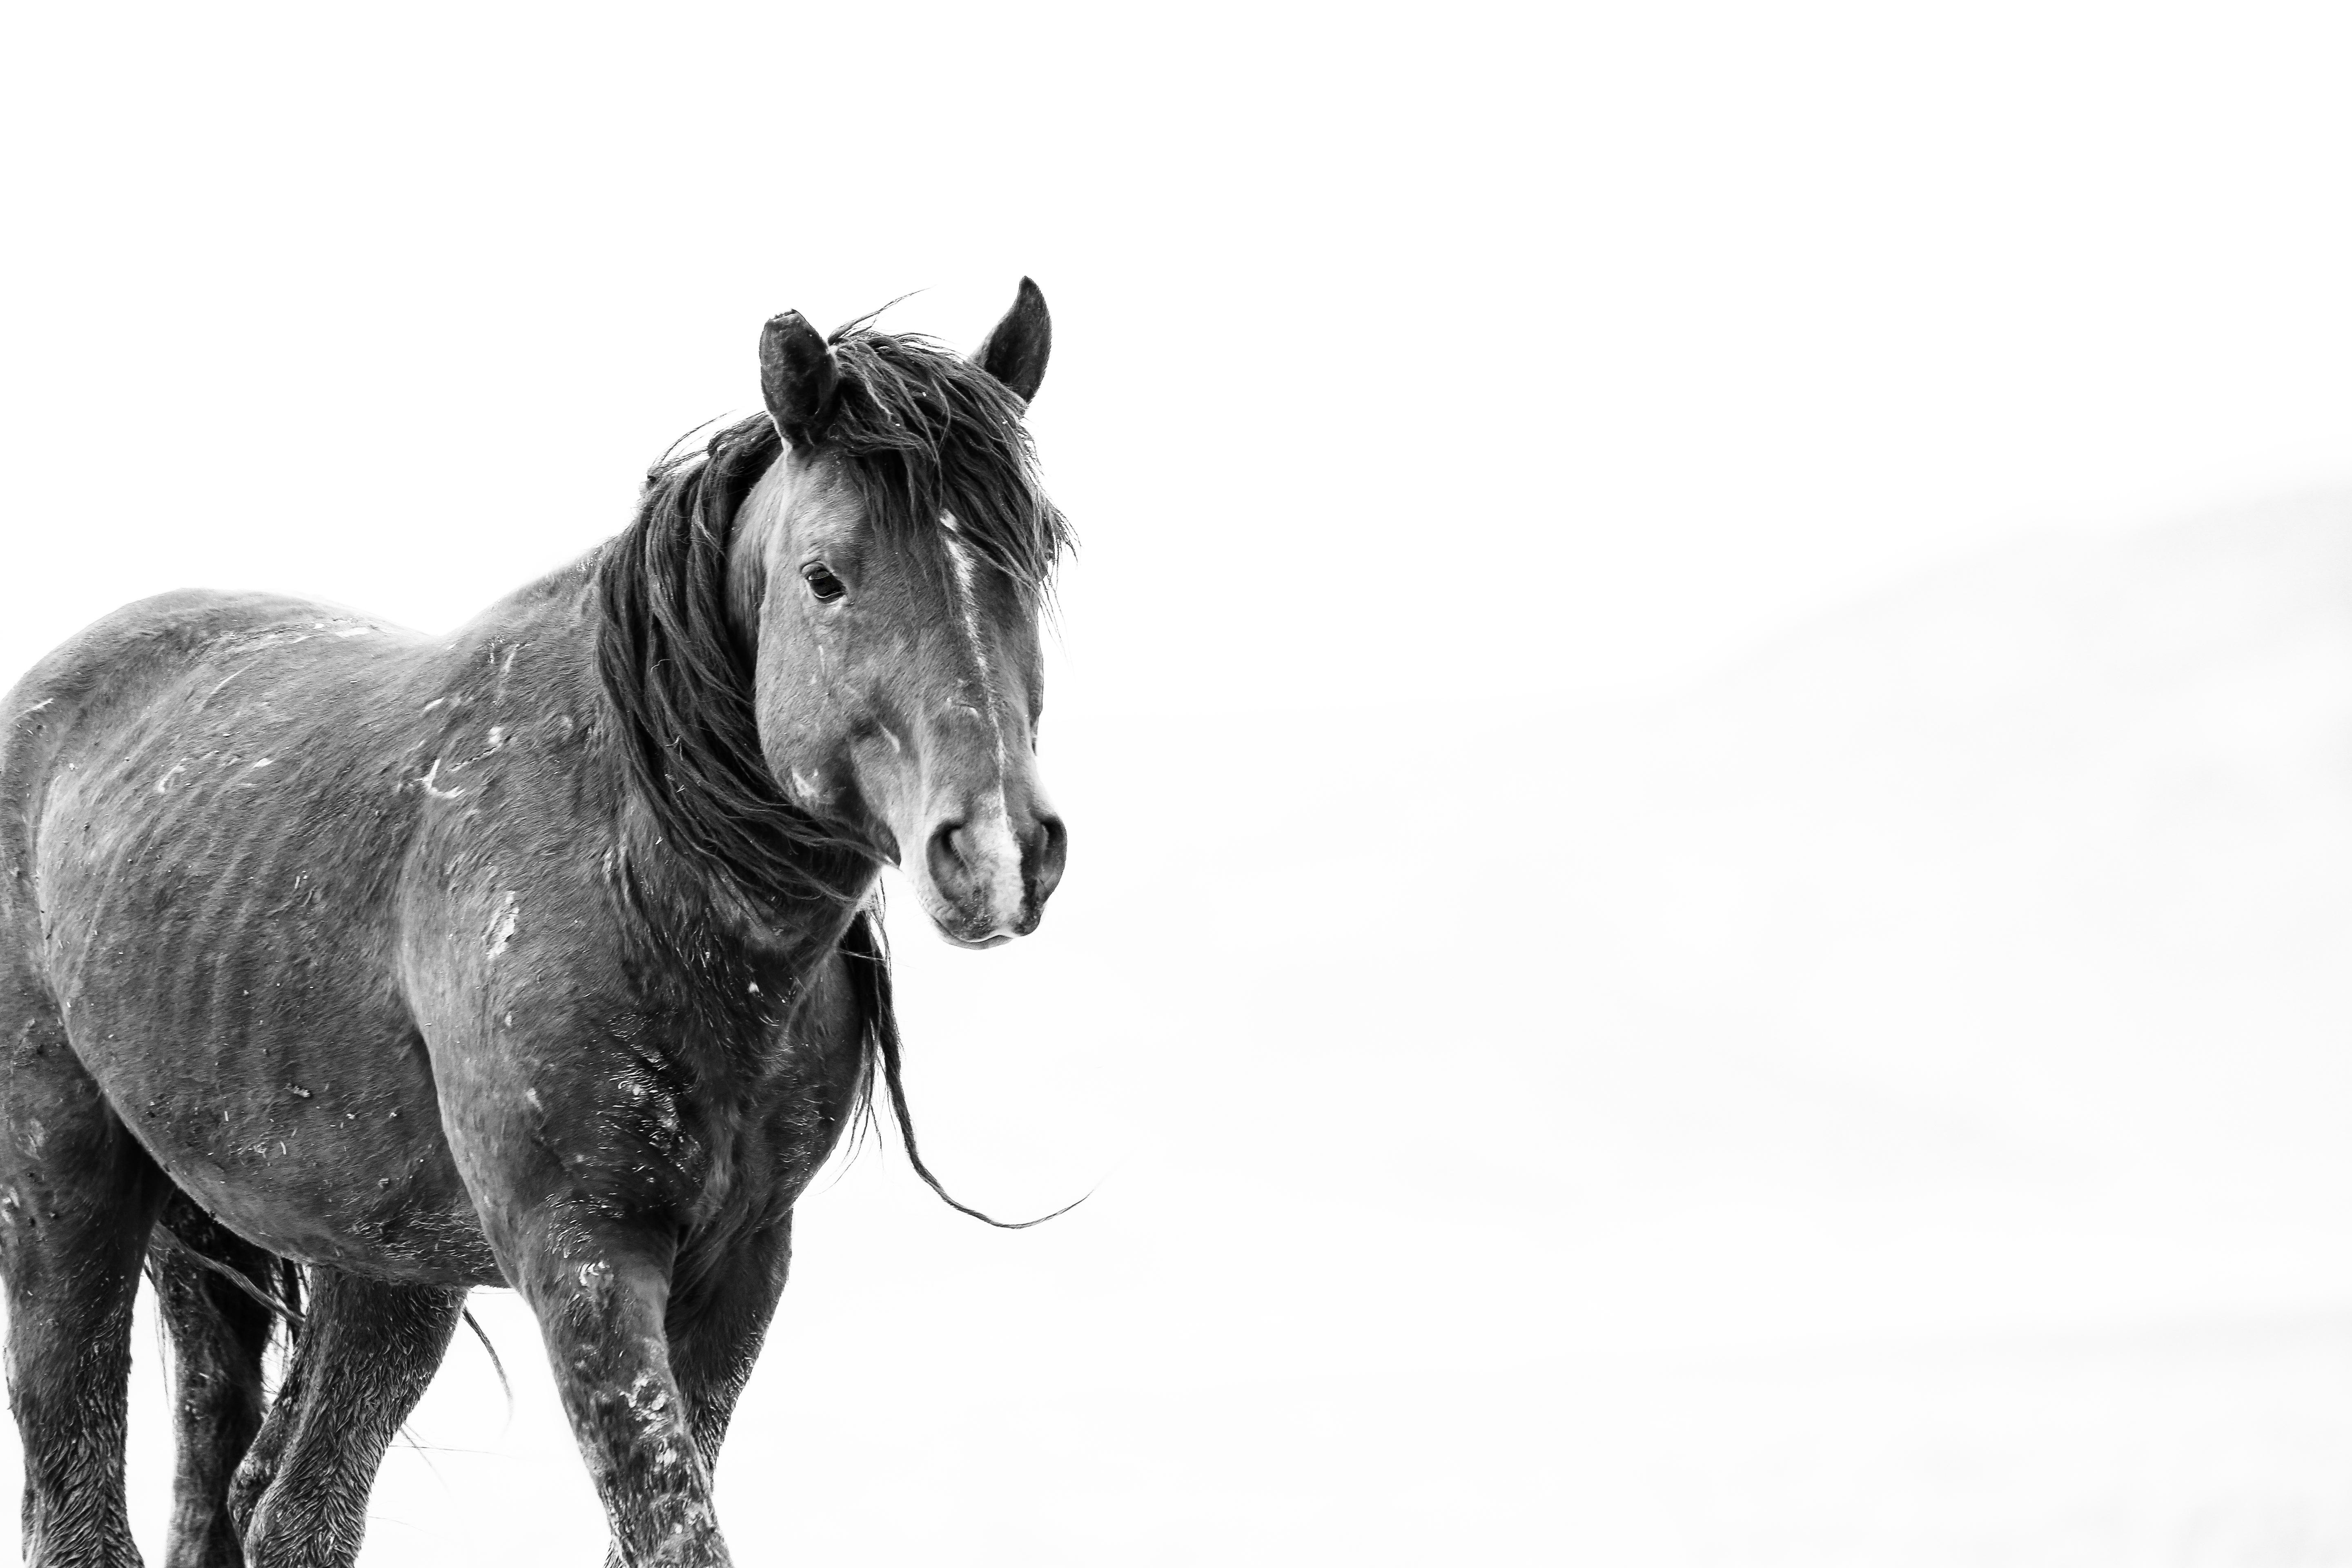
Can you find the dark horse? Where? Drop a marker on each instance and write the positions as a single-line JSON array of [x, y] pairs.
[[541, 955]]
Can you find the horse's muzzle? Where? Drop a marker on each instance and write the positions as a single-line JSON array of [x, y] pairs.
[[989, 876]]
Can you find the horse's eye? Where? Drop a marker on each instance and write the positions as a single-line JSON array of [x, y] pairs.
[[822, 581]]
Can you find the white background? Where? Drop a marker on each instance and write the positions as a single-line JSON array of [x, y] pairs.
[[1706, 715]]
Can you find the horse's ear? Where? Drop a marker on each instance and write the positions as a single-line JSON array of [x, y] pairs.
[[1015, 352], [797, 378]]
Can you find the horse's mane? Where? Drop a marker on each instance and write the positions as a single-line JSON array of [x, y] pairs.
[[679, 673], [922, 432]]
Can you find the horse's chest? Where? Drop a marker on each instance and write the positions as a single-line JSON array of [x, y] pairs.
[[659, 1109], [746, 1152]]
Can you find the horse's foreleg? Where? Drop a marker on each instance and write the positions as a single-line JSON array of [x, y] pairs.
[[716, 1329], [369, 1348], [218, 1335], [716, 1324], [77, 1198], [602, 1303]]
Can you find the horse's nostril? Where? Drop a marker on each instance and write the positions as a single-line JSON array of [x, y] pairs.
[[1042, 857], [945, 855]]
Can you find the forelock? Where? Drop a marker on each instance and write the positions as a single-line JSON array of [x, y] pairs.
[[923, 432]]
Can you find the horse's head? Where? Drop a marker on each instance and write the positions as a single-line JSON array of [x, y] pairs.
[[895, 562]]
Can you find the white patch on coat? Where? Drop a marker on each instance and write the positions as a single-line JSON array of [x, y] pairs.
[[995, 851], [430, 774], [967, 578], [502, 928], [995, 855], [163, 784]]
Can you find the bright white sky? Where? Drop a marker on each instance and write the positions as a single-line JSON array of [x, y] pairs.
[[1436, 363], [1486, 349]]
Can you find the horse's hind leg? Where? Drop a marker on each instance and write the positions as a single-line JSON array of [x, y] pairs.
[[367, 1351], [76, 1199], [258, 1468], [218, 1334]]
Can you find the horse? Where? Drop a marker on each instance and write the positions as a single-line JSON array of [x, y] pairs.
[[544, 955]]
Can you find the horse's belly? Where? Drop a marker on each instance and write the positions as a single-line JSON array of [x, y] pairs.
[[418, 1230], [382, 1200], [333, 1157]]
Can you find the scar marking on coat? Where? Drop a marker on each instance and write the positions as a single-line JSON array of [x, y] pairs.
[[502, 928], [163, 784], [430, 774], [232, 675]]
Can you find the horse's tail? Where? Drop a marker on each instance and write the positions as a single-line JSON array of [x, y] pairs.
[[869, 974], [186, 1236]]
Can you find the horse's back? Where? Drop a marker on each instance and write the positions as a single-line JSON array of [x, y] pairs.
[[121, 661], [157, 635], [104, 675]]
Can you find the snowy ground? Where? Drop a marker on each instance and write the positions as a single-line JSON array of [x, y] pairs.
[[1885, 1107]]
